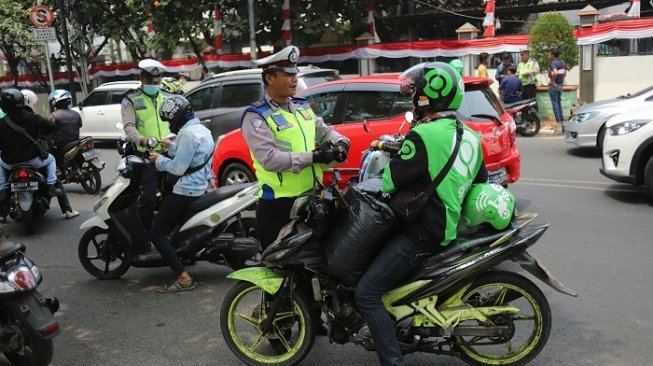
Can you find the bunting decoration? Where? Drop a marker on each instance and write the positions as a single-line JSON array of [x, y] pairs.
[[285, 28], [488, 22], [370, 20], [217, 30]]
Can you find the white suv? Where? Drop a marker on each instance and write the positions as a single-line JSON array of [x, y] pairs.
[[628, 149], [100, 110]]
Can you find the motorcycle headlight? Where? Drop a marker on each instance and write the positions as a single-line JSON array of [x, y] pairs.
[[582, 117], [627, 127]]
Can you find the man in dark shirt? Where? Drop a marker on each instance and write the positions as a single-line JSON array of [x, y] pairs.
[[502, 69], [557, 74], [510, 86]]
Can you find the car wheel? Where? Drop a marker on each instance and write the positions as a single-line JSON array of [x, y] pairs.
[[236, 173], [599, 138], [648, 177]]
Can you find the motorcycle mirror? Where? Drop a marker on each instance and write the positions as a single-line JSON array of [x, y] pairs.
[[119, 125], [408, 117], [152, 142]]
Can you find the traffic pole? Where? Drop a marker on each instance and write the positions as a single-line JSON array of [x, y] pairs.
[[47, 59], [69, 61]]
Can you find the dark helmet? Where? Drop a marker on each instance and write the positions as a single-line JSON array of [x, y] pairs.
[[435, 87], [175, 109], [11, 99]]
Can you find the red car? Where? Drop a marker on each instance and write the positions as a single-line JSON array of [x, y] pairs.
[[346, 103]]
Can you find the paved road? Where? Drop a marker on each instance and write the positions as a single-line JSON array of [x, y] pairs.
[[599, 244]]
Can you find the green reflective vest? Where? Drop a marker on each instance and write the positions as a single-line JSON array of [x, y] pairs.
[[293, 133], [524, 67], [148, 122]]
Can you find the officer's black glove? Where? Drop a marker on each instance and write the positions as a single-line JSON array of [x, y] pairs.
[[324, 154], [341, 150]]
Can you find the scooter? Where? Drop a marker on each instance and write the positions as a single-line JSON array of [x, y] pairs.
[[524, 113], [216, 227], [27, 323], [29, 197], [81, 164]]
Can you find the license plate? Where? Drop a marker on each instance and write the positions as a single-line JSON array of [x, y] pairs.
[[22, 187], [91, 154], [498, 176]]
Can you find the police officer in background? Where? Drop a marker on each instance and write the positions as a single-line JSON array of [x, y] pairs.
[[282, 133], [140, 116]]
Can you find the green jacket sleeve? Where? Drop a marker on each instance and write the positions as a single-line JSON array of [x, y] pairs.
[[407, 167]]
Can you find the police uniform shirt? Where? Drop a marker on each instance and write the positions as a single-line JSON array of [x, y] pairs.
[[262, 142], [128, 115]]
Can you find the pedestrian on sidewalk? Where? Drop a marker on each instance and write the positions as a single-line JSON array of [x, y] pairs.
[[557, 73], [484, 60]]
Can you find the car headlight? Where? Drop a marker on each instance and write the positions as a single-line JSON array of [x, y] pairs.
[[627, 127], [582, 117]]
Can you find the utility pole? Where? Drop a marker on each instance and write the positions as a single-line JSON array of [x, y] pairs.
[[252, 31], [69, 60]]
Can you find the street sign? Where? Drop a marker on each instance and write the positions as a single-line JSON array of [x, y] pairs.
[[44, 34], [41, 16]]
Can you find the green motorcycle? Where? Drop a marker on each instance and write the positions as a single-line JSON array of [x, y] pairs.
[[456, 304]]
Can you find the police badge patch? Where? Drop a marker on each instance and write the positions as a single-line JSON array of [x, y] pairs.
[[256, 123]]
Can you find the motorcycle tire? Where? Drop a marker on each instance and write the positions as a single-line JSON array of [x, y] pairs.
[[37, 351], [295, 352], [28, 221], [92, 181], [106, 250], [533, 121], [513, 287]]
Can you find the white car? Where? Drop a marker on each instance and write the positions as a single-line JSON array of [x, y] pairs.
[[586, 127], [100, 110], [628, 149]]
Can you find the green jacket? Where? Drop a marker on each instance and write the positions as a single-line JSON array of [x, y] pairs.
[[527, 71], [423, 154]]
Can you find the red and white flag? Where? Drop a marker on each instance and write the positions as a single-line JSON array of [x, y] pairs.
[[286, 31], [488, 22], [217, 30], [633, 11], [370, 20]]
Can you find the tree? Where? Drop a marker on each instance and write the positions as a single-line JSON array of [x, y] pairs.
[[15, 37], [552, 31]]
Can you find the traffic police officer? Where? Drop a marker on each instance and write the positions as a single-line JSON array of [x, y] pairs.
[[140, 116], [282, 133]]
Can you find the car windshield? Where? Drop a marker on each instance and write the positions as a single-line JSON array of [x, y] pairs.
[[637, 94], [479, 101]]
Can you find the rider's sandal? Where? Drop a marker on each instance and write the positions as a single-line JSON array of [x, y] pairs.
[[177, 286]]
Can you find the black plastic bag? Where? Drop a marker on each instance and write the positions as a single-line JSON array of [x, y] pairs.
[[359, 234]]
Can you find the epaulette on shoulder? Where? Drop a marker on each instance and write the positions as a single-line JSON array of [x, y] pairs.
[[259, 103], [132, 93]]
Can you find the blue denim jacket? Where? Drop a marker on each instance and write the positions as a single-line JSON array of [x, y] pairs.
[[194, 144]]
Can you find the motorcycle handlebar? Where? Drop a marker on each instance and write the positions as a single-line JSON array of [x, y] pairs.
[[391, 147]]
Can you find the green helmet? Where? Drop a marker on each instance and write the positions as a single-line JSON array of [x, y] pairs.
[[171, 85], [488, 204], [457, 65], [434, 86]]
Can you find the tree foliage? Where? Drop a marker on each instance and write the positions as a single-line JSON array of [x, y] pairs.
[[552, 31], [15, 36]]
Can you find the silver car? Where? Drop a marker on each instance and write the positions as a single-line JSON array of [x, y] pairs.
[[586, 127]]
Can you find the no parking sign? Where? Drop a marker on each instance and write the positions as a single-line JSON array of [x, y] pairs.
[[41, 16]]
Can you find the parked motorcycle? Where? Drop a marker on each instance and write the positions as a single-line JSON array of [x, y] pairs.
[[216, 227], [524, 113], [457, 303], [27, 324], [29, 197], [81, 165]]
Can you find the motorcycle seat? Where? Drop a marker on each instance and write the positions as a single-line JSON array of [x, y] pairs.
[[69, 146], [8, 248], [515, 104], [211, 198]]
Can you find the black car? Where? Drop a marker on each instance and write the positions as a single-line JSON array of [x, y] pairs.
[[219, 101]]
